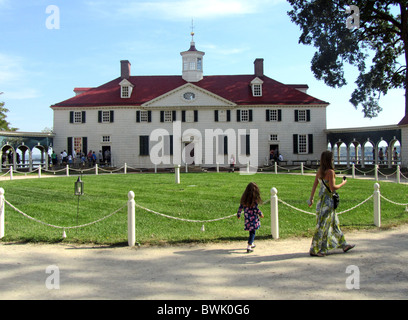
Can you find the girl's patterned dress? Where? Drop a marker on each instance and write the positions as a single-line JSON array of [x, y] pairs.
[[328, 234], [252, 215]]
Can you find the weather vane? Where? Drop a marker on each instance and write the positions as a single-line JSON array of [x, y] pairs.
[[192, 30]]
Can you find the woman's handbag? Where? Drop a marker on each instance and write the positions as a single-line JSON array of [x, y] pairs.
[[335, 196]]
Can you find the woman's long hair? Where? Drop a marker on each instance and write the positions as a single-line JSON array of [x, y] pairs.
[[251, 195], [326, 163]]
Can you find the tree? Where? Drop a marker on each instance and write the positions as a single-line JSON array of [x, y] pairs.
[[4, 125], [381, 28]]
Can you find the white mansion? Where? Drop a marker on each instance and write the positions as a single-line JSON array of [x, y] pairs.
[[165, 120]]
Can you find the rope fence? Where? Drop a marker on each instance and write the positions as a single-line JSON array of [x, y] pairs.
[[131, 205]]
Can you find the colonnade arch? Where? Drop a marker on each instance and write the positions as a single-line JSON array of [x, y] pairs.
[[25, 149], [366, 146]]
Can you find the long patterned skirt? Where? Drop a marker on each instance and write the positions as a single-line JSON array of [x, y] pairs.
[[328, 234]]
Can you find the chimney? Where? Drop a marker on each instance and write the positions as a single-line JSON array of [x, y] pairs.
[[124, 69], [259, 70]]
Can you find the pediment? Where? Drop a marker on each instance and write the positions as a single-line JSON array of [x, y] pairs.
[[189, 95]]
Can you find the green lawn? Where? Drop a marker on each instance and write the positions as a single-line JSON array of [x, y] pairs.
[[200, 196]]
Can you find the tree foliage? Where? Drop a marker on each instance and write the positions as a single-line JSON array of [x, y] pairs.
[[382, 31], [4, 124]]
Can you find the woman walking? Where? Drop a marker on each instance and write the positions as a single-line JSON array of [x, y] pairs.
[[328, 234]]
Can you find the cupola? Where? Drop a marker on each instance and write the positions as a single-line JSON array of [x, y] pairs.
[[192, 63]]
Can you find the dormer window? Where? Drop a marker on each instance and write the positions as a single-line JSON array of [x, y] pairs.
[[125, 92], [256, 86], [125, 89]]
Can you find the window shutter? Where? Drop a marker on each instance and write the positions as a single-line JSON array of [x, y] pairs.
[[247, 145], [161, 116], [195, 115], [137, 116], [228, 115], [296, 115], [308, 115], [149, 116], [69, 145], [99, 116], [183, 116], [71, 117], [171, 144], [85, 145], [250, 115], [310, 143], [295, 143], [111, 116], [174, 115], [267, 115], [238, 115], [225, 145], [83, 116], [279, 115], [216, 115]]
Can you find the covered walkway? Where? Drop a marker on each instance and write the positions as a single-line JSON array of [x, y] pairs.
[[363, 145], [17, 149]]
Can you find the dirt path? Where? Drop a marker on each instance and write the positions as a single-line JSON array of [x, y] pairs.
[[278, 269]]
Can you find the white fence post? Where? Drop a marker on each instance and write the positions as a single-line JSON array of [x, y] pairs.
[[276, 167], [67, 170], [301, 168], [353, 171], [39, 171], [96, 169], [398, 174], [377, 205], [177, 173], [131, 219], [2, 205], [125, 168], [274, 214], [11, 172]]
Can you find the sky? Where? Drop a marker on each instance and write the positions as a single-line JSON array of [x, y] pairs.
[[47, 48]]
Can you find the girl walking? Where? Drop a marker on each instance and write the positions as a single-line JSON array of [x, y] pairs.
[[249, 203], [328, 234]]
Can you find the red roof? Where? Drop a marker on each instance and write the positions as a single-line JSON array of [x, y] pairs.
[[404, 121], [235, 88]]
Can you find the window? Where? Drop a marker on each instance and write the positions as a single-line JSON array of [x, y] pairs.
[[257, 90], [199, 64], [273, 137], [302, 143], [244, 115], [302, 115], [222, 115], [125, 92], [274, 115], [192, 65], [106, 139], [105, 116], [167, 116], [189, 116], [144, 145], [78, 145], [256, 86], [77, 117], [245, 144], [143, 116]]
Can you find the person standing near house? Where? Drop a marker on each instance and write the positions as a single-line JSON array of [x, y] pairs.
[[327, 234], [232, 163]]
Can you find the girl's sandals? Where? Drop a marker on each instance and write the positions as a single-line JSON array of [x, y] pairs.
[[348, 247]]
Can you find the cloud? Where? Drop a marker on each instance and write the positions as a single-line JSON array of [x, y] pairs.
[[13, 78], [180, 9]]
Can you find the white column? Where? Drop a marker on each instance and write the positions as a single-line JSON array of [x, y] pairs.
[[274, 214]]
